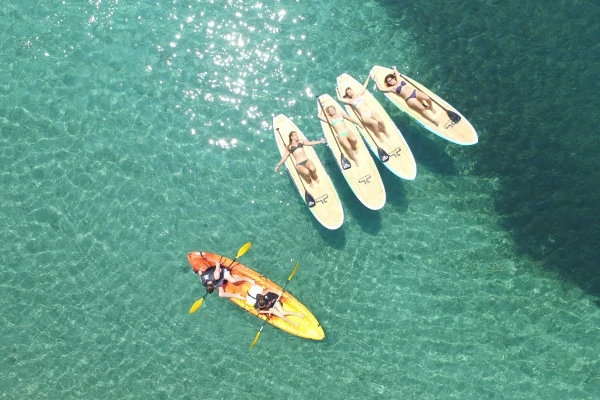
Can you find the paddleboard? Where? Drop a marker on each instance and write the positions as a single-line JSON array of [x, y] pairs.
[[364, 178], [461, 132], [308, 327], [401, 160], [327, 207]]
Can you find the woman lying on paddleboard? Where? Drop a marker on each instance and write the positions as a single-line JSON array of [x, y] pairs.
[[414, 98], [344, 135], [368, 116], [304, 166]]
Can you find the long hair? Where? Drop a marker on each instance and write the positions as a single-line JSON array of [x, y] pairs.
[[387, 77], [289, 146], [260, 301]]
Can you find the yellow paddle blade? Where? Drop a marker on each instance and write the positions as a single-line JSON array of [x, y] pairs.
[[255, 339], [196, 306], [293, 272], [243, 250]]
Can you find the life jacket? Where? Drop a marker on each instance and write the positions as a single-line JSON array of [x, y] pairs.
[[271, 299], [209, 275]]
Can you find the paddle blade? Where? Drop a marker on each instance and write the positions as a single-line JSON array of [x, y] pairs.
[[454, 117], [196, 306], [294, 271], [383, 156], [243, 250], [345, 163], [256, 338], [310, 201]]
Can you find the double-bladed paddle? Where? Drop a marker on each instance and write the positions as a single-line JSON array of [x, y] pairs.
[[240, 253], [269, 316]]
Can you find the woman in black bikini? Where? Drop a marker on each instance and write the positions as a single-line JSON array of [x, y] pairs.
[[304, 166], [414, 99]]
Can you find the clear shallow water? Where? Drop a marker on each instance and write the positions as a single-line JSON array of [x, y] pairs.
[[133, 134]]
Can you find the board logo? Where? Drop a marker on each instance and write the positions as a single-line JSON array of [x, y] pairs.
[[322, 199], [449, 124], [395, 152], [365, 179]]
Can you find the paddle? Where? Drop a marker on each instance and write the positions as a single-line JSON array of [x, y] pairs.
[[345, 163], [269, 316], [240, 253], [454, 117], [308, 198], [383, 156]]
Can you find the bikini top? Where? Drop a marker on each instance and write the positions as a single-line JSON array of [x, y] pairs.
[[399, 88], [294, 148], [337, 121], [358, 100]]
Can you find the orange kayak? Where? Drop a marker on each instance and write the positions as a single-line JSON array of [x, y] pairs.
[[308, 327]]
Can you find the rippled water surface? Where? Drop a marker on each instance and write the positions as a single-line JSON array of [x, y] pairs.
[[135, 132]]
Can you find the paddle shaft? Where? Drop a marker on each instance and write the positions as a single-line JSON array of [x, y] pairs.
[[334, 134]]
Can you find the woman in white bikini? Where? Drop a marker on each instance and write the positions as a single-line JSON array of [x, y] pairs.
[[304, 166], [368, 116], [344, 135]]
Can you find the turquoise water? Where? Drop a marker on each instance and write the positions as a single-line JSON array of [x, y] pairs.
[[132, 134]]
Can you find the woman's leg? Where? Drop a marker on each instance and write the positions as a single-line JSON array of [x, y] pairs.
[[277, 313], [235, 279], [417, 105], [304, 173], [422, 97], [345, 144], [353, 141], [376, 124], [377, 118], [312, 170]]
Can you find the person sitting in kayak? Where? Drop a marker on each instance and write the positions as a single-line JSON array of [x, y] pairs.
[[344, 135], [415, 99], [304, 166], [216, 276], [368, 116], [268, 302]]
